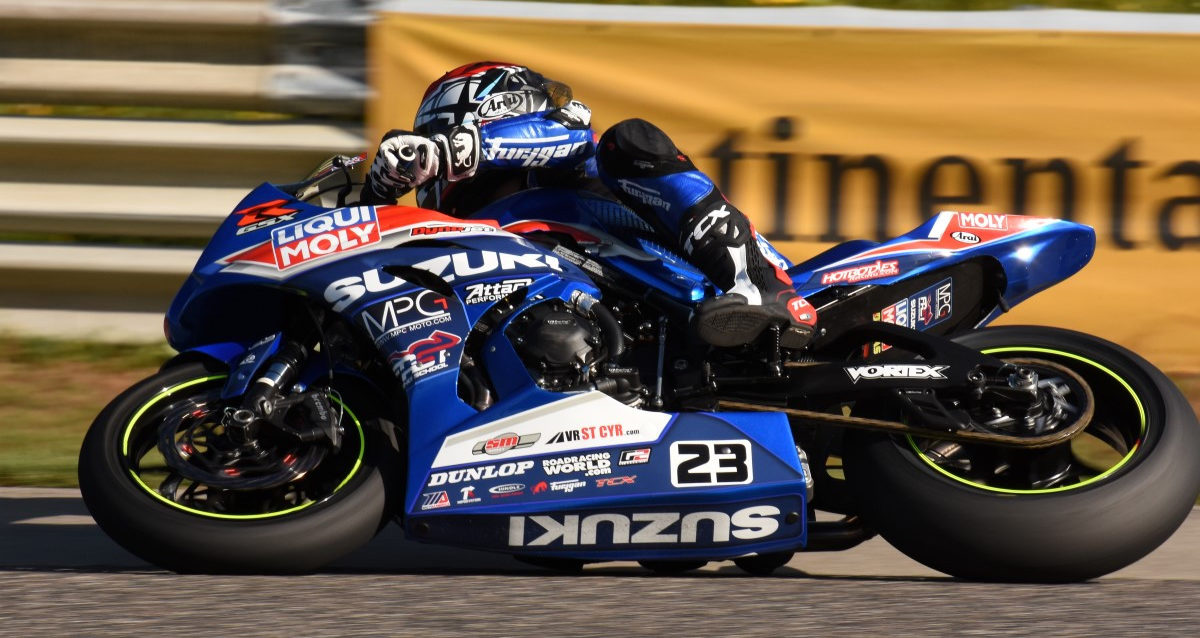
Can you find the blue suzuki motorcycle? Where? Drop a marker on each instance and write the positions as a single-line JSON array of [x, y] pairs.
[[527, 381]]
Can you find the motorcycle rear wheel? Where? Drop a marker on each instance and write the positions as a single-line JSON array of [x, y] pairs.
[[1056, 515], [187, 526]]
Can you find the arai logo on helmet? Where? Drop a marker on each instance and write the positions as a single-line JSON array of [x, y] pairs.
[[895, 372], [500, 104]]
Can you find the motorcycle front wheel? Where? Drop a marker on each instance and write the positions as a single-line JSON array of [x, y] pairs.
[[1071, 512], [161, 512]]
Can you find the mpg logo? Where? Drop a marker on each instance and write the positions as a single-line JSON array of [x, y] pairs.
[[335, 232]]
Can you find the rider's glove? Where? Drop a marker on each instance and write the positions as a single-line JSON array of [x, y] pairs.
[[403, 162], [460, 151], [574, 115]]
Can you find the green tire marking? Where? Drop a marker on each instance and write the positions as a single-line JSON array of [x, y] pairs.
[[155, 399], [362, 444], [1064, 488]]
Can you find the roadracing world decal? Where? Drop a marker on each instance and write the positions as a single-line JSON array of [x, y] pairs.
[[594, 464]]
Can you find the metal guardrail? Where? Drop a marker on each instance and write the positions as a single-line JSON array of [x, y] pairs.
[[154, 178]]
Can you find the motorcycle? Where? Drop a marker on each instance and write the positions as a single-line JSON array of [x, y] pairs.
[[525, 381]]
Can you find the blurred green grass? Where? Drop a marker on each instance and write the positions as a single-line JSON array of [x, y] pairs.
[[50, 391]]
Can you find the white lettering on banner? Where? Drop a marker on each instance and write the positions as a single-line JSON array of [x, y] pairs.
[[479, 473], [343, 292], [639, 426], [896, 372], [339, 231], [748, 523]]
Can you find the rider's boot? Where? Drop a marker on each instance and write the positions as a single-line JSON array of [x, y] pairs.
[[719, 239], [645, 169]]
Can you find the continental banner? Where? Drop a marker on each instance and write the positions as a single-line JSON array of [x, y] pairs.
[[826, 134]]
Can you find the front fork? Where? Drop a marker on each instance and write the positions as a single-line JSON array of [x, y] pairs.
[[274, 393]]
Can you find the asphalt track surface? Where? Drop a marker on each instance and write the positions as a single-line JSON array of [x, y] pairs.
[[60, 576]]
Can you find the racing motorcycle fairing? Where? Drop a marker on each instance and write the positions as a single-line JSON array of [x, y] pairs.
[[273, 244], [572, 482], [540, 472], [1032, 253]]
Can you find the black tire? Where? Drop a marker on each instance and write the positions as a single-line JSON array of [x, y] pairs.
[[1084, 528], [672, 567], [182, 535], [763, 564]]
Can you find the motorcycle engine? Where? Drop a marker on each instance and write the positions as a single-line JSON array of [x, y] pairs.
[[565, 350], [557, 345]]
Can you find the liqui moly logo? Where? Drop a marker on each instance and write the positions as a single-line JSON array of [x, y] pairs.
[[339, 231], [983, 221]]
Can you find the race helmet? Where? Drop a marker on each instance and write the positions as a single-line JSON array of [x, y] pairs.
[[479, 93]]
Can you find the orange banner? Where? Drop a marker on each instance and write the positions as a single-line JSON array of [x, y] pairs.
[[826, 134]]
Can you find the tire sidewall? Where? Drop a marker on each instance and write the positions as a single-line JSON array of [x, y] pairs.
[[299, 541], [1061, 536]]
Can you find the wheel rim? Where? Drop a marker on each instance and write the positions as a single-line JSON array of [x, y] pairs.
[[149, 470], [1083, 462]]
